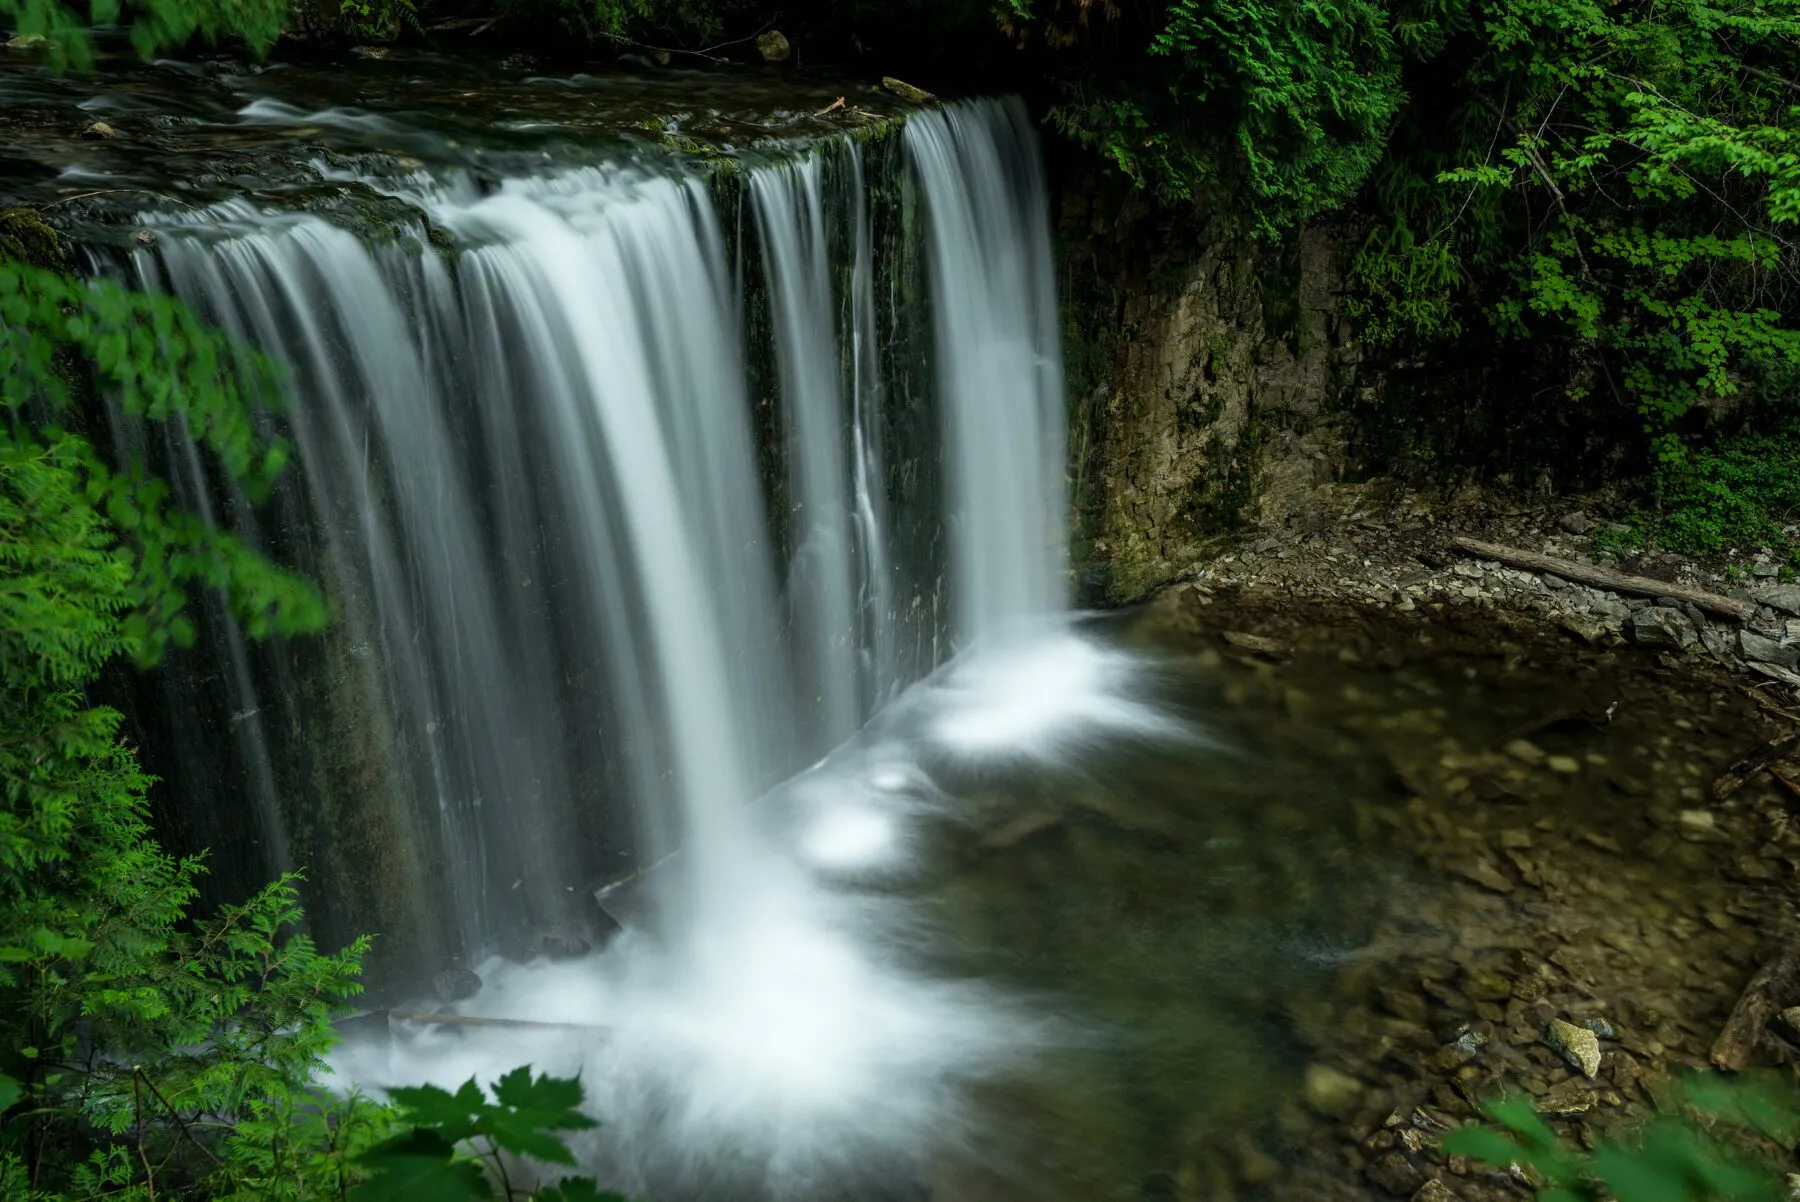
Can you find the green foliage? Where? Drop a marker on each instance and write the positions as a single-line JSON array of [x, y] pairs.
[[155, 25], [383, 19], [457, 1145], [1739, 495], [1614, 183], [1703, 1155], [1269, 111], [61, 338]]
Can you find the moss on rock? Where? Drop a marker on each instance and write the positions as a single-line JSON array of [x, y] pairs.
[[26, 237]]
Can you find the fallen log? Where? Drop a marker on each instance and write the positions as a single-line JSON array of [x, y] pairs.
[[476, 1020], [1763, 998], [1606, 578]]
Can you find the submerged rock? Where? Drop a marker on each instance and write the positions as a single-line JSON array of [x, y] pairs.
[[1330, 1089], [100, 130], [28, 41], [1577, 1045]]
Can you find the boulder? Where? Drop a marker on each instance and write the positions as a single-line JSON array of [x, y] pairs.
[[773, 46], [1655, 626], [456, 984]]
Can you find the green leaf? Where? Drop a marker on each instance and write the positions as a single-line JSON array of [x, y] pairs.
[[10, 1092], [1483, 1144], [530, 1109], [454, 1115], [419, 1166]]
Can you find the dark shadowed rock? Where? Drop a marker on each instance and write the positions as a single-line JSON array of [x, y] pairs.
[[1655, 626], [456, 984]]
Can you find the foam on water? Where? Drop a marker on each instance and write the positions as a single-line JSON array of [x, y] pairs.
[[796, 1042]]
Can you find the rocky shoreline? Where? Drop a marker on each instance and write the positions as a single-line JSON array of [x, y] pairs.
[[1604, 880], [1395, 550]]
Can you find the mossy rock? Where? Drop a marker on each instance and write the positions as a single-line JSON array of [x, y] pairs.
[[25, 237]]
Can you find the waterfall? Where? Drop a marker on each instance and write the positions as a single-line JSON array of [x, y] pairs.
[[591, 595], [635, 503], [999, 362]]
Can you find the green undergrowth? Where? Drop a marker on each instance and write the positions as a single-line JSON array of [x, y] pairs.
[[1732, 499]]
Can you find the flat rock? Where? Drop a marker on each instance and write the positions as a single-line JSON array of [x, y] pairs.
[[1578, 1045], [1255, 643], [1762, 650], [1784, 597], [1655, 626], [1565, 1098]]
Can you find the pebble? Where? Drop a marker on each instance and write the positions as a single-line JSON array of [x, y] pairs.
[[1578, 1045], [1434, 1191], [1566, 765], [101, 130]]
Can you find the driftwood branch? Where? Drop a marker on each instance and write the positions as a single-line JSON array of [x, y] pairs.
[[1762, 999], [1740, 773], [1599, 577]]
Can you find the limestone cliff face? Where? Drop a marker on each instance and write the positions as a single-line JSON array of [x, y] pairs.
[[1206, 382]]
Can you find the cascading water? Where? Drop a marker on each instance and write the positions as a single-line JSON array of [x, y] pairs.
[[538, 488]]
